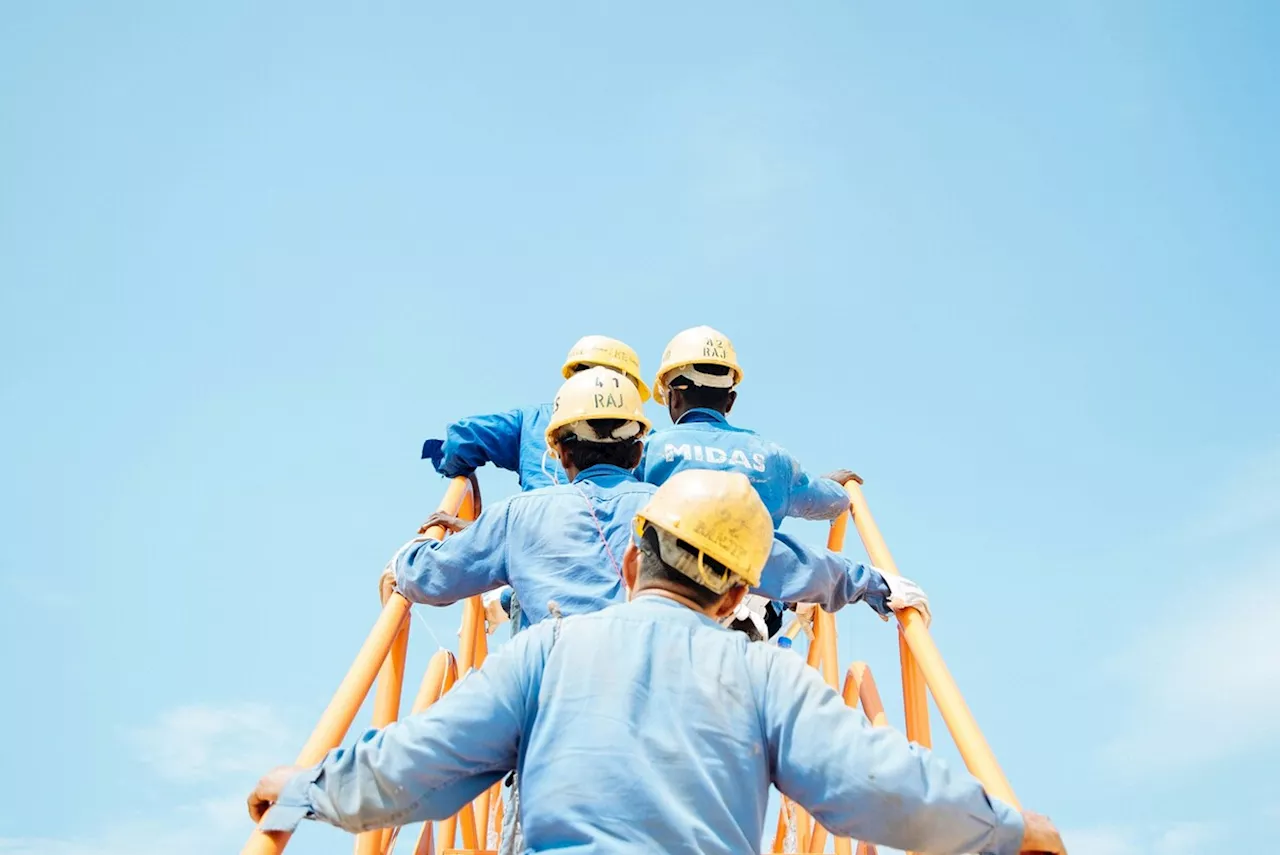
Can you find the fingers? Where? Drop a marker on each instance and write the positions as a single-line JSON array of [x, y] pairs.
[[1041, 836], [264, 795], [387, 584], [258, 805], [446, 521]]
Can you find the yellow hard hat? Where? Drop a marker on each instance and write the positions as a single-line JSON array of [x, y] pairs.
[[609, 352], [597, 393], [696, 346], [719, 514]]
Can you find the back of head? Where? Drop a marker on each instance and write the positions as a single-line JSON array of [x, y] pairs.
[[702, 364], [703, 386], [709, 527], [597, 418]]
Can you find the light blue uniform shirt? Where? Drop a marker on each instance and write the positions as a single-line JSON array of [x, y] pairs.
[[514, 440], [704, 439], [648, 728], [565, 544]]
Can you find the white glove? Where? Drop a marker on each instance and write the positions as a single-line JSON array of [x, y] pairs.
[[905, 594], [492, 601], [751, 609]]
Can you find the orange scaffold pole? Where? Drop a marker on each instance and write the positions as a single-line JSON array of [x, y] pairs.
[[386, 709], [920, 649], [442, 673], [810, 835], [824, 638], [860, 687], [472, 645], [354, 688]]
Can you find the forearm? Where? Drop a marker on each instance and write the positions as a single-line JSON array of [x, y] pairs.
[[870, 783], [362, 787], [817, 499], [470, 562], [797, 574], [426, 766]]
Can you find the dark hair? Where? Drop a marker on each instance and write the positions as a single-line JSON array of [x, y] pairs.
[[704, 397], [653, 569], [583, 454]]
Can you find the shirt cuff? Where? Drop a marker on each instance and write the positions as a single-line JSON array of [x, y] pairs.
[[877, 595], [293, 805], [1009, 829]]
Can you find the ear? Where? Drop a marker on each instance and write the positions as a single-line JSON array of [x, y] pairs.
[[733, 396], [730, 601], [630, 568], [636, 456], [675, 403]]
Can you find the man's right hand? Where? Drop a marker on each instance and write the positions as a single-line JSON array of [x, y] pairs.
[[842, 476], [1040, 835], [268, 790]]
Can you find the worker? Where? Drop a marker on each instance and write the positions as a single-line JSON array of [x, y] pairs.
[[698, 381], [560, 547], [647, 727], [516, 440]]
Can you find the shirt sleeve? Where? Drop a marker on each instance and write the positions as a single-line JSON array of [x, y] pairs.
[[795, 573], [870, 783], [469, 562], [427, 766], [812, 498], [474, 441]]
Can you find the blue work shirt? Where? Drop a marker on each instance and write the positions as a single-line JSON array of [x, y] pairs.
[[565, 544], [704, 439], [515, 440], [648, 728]]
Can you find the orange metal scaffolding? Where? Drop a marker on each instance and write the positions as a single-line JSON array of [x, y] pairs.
[[383, 654]]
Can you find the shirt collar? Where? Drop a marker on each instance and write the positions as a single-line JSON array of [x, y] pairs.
[[663, 608], [702, 414], [605, 474]]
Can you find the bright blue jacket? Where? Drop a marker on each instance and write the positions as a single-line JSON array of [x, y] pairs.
[[514, 440], [565, 544], [704, 439], [648, 728]]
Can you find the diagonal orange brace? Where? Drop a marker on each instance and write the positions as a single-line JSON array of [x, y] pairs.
[[973, 747], [354, 688]]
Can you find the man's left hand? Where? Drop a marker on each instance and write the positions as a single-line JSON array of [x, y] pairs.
[[905, 594]]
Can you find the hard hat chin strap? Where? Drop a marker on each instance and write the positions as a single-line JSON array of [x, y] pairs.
[[587, 432], [692, 563], [692, 375]]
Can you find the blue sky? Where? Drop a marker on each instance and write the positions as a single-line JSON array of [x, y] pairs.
[[1014, 263]]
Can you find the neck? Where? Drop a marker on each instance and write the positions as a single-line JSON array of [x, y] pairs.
[[709, 611]]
